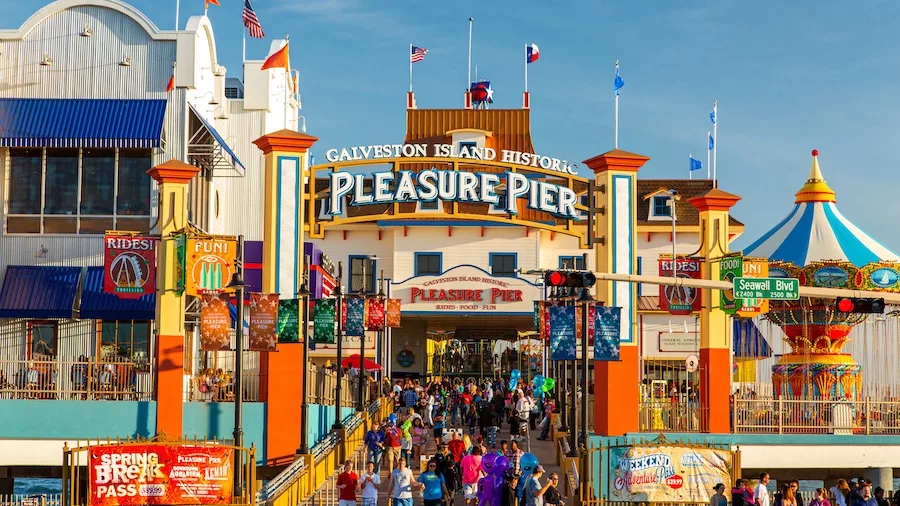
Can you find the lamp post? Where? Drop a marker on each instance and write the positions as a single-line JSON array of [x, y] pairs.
[[585, 299], [339, 300], [237, 283], [303, 295]]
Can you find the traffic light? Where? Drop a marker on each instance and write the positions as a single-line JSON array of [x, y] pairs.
[[859, 305], [570, 279]]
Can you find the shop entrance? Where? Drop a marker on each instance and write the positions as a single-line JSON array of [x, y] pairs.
[[486, 353]]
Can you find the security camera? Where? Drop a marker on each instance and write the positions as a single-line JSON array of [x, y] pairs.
[[673, 192]]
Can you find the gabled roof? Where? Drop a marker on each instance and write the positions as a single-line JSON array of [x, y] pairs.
[[687, 188]]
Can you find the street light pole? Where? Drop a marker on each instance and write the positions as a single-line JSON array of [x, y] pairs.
[[339, 295], [303, 295], [586, 301], [237, 283]]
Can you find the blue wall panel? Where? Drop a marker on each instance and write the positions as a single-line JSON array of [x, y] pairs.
[[216, 419], [321, 418], [52, 419]]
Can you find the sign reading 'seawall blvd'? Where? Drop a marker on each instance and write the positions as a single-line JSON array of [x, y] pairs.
[[767, 288]]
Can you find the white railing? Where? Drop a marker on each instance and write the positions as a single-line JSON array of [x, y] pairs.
[[75, 380]]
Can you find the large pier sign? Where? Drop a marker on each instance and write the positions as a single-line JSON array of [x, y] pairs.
[[466, 289]]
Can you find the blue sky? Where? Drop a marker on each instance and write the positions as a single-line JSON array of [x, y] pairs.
[[789, 77]]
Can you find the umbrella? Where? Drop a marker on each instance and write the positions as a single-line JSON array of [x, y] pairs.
[[353, 361]]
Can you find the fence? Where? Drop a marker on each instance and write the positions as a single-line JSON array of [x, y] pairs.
[[75, 380], [323, 386], [807, 416], [31, 500]]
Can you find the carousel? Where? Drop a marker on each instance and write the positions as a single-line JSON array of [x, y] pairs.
[[818, 245]]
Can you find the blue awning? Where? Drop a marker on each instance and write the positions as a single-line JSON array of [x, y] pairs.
[[749, 341], [81, 123], [225, 153], [38, 292], [99, 305]]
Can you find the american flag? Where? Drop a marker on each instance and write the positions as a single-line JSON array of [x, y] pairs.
[[252, 22], [417, 54]]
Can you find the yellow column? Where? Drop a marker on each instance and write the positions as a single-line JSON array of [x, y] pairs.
[[173, 178], [281, 374], [715, 351], [617, 383]]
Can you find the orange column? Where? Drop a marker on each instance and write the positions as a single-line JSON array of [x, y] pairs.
[[715, 349], [172, 178], [282, 373], [616, 384]]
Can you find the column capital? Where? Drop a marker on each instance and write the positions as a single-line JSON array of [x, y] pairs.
[[285, 140], [616, 159], [173, 171], [714, 200]]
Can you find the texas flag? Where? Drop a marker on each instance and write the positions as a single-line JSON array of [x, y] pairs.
[[532, 53]]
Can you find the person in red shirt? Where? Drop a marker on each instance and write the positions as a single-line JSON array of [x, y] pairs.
[[392, 436], [347, 483], [457, 447]]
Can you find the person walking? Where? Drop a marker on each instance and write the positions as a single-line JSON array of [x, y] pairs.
[[347, 483], [392, 443], [534, 492], [840, 492], [761, 493], [369, 482], [515, 455], [435, 486], [552, 497], [374, 441], [470, 467], [401, 484], [718, 499], [821, 498], [508, 495], [418, 432]]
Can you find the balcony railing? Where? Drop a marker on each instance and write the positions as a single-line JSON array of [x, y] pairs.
[[75, 380], [807, 416]]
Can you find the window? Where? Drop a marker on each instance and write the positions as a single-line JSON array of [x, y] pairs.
[[661, 206], [43, 340], [503, 264], [78, 191], [128, 340], [362, 274], [470, 147], [428, 264], [572, 262], [430, 205], [500, 206]]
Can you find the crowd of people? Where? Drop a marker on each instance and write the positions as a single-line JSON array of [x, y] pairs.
[[858, 492], [463, 419]]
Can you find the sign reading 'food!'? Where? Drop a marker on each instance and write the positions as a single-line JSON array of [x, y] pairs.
[[129, 266]]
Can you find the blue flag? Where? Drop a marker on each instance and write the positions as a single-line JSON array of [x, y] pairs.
[[712, 143], [607, 329], [618, 83], [696, 164], [356, 310], [562, 333], [712, 116]]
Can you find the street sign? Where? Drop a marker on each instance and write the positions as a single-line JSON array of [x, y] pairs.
[[767, 288]]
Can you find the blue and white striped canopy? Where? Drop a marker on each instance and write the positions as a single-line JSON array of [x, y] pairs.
[[815, 230]]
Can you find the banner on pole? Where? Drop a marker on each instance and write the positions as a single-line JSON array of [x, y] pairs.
[[680, 300], [129, 266], [289, 321], [607, 331], [263, 321], [754, 268], [562, 333], [323, 320], [375, 314], [215, 322], [210, 264], [392, 316], [356, 317], [668, 474], [180, 263], [730, 268]]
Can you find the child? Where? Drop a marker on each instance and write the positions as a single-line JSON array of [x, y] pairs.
[[439, 425], [472, 419]]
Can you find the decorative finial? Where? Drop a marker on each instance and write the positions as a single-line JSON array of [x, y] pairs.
[[815, 152]]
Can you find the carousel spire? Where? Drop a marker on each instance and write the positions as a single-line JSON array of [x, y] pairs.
[[815, 189]]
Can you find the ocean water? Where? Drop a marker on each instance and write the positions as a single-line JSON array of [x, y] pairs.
[[35, 486]]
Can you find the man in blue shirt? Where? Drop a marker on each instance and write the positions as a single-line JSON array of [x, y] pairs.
[[410, 398], [374, 441], [435, 487]]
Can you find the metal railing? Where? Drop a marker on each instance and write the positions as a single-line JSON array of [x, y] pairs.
[[75, 380], [31, 500], [663, 415], [323, 385], [816, 416], [218, 386]]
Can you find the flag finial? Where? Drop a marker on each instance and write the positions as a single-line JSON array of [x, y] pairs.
[[815, 152]]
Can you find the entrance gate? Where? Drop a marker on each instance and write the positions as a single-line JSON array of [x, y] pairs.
[[158, 471]]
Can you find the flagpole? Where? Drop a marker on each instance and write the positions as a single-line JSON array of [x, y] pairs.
[[177, 11], [715, 144], [410, 67], [708, 168], [691, 166], [287, 73], [526, 67], [616, 144], [469, 66]]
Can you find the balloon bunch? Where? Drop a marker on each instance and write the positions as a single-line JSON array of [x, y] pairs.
[[542, 385], [490, 486], [527, 463], [514, 378]]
